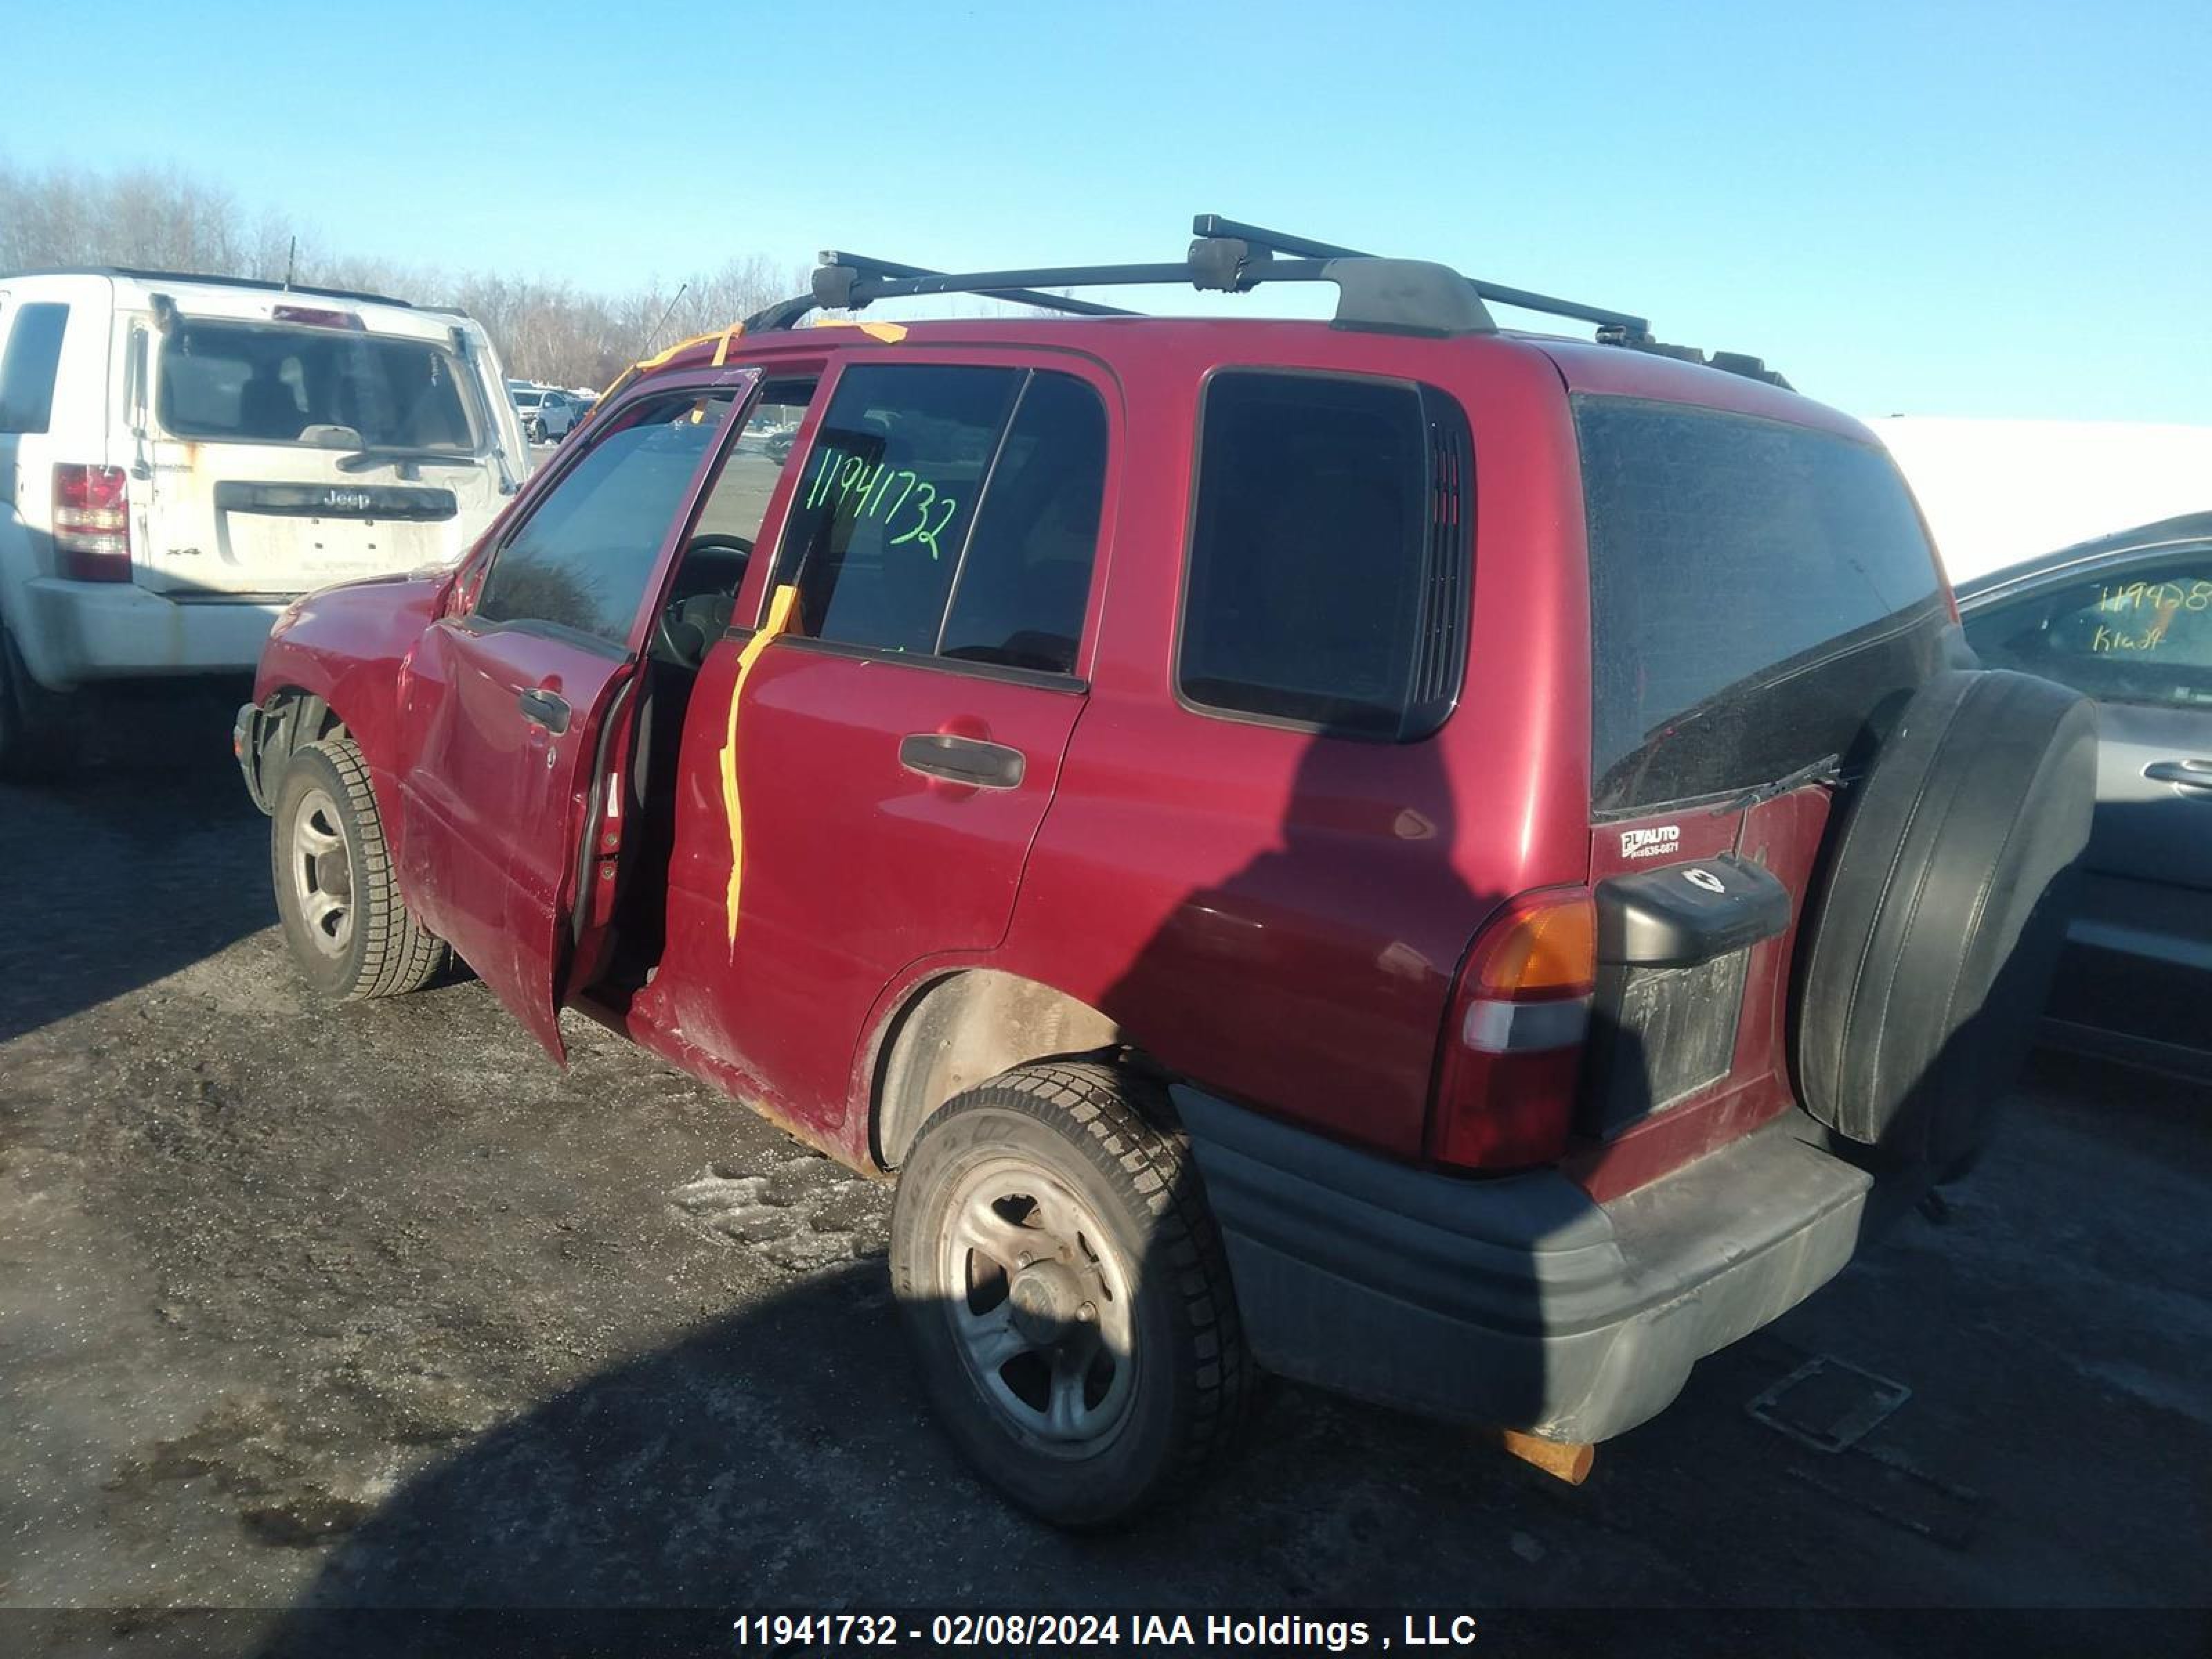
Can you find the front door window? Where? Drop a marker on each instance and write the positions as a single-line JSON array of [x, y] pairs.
[[582, 561], [2135, 635]]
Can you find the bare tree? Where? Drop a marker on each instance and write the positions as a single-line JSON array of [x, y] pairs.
[[546, 329]]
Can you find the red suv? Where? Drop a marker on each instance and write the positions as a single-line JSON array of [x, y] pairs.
[[1469, 868]]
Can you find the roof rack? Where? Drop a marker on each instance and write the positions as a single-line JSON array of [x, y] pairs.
[[1405, 295], [136, 275], [1228, 255]]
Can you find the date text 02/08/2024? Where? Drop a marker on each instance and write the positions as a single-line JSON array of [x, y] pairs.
[[1169, 1630]]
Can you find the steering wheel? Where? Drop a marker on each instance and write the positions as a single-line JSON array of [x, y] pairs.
[[715, 542], [675, 637], [725, 557]]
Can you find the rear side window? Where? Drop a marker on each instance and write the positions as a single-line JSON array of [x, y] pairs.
[[28, 367], [337, 388], [951, 511], [1756, 589], [1019, 599], [1329, 573]]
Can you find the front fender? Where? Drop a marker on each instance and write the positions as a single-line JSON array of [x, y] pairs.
[[349, 646]]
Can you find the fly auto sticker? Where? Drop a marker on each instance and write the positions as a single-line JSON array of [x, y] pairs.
[[780, 607], [1663, 841]]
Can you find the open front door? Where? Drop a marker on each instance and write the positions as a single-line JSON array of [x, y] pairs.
[[517, 707]]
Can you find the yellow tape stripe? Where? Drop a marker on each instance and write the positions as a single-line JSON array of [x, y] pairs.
[[780, 606], [723, 335], [889, 333]]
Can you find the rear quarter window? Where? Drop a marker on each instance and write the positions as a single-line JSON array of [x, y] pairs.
[[1757, 589], [27, 367], [1329, 558]]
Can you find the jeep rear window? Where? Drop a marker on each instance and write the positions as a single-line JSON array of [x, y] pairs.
[[1328, 574], [1756, 589], [241, 382]]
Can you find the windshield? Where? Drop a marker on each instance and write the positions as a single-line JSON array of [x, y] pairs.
[[528, 399], [240, 382]]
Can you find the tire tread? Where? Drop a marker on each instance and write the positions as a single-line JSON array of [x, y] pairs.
[[400, 955], [1124, 1124]]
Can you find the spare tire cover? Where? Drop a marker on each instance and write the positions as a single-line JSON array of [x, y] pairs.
[[1933, 940]]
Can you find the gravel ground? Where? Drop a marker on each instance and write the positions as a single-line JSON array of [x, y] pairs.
[[304, 1309]]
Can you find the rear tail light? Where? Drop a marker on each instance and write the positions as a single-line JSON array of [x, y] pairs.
[[91, 523], [1512, 1052]]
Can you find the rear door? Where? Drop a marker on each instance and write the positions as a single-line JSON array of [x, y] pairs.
[[896, 750], [302, 446], [1759, 592], [2135, 633], [515, 712]]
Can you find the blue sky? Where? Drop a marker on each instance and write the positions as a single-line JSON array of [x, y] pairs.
[[1946, 209]]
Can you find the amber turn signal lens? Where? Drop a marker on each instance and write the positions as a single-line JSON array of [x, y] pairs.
[[1549, 946]]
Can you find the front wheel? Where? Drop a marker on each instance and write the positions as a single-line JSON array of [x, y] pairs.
[[1065, 1293], [337, 899]]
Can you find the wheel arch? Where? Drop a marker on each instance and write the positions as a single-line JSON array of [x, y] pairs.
[[961, 1028], [292, 717]]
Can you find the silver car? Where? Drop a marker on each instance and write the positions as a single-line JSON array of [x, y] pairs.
[[2127, 619], [547, 413]]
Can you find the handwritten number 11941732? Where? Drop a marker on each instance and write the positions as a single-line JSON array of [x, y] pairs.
[[844, 479]]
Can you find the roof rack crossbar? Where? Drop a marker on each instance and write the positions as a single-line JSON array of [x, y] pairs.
[[871, 286], [1212, 224], [871, 268]]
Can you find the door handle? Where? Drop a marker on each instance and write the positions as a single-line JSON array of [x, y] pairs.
[[957, 759], [2193, 776], [547, 708]]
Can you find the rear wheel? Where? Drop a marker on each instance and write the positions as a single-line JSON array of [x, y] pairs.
[[337, 897], [1065, 1290]]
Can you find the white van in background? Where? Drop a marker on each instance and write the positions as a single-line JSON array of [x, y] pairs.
[[182, 456]]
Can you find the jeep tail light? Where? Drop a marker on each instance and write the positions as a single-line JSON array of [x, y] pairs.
[[1512, 1052], [91, 523]]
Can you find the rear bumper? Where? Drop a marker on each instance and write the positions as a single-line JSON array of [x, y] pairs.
[[75, 632], [1519, 1302]]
